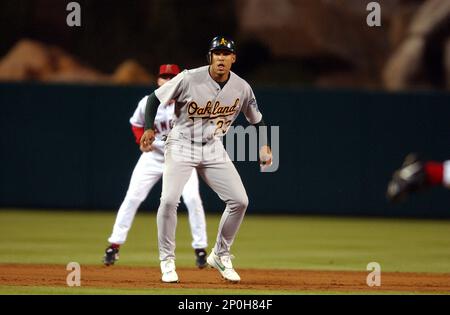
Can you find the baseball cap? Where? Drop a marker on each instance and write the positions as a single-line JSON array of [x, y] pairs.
[[169, 69]]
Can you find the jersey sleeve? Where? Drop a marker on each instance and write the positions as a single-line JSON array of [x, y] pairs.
[[137, 132], [250, 107], [171, 90], [138, 118]]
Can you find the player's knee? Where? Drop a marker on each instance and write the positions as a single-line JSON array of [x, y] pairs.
[[169, 203], [241, 203], [244, 202], [136, 195], [194, 202]]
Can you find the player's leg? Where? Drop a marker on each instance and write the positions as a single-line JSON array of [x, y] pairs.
[[178, 168], [175, 176], [226, 182], [146, 173], [223, 178], [197, 222]]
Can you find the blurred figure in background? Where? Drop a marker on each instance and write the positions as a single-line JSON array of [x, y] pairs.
[[416, 175], [146, 174]]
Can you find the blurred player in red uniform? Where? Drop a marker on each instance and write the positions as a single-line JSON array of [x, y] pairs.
[[148, 171], [416, 175]]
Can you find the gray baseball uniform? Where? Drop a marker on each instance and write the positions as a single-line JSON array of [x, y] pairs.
[[204, 112]]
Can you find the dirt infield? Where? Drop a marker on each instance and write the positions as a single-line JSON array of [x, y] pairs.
[[253, 279]]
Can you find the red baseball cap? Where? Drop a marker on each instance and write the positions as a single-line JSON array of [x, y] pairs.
[[170, 69]]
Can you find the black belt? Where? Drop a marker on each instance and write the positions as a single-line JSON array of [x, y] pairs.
[[195, 142]]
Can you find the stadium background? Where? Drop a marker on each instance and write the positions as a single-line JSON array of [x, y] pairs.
[[348, 105], [337, 149]]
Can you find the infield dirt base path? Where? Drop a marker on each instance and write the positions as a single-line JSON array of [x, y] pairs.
[[252, 279]]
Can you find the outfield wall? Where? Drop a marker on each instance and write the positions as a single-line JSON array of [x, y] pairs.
[[68, 146]]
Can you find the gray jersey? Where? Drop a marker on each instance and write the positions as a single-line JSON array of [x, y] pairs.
[[202, 109]]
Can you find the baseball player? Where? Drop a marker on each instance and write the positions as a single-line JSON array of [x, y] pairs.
[[415, 175], [148, 171], [207, 101]]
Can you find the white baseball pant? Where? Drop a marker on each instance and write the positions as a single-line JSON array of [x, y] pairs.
[[146, 174]]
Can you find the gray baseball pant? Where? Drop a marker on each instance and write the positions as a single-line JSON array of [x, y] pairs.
[[217, 170]]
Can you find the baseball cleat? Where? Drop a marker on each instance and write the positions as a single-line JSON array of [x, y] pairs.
[[224, 266], [111, 255], [169, 275], [200, 260], [411, 177]]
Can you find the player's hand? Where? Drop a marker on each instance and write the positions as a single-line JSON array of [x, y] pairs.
[[265, 157], [146, 140]]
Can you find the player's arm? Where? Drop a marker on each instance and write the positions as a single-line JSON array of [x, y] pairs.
[[150, 113], [170, 90], [265, 153], [137, 132], [254, 117], [137, 120]]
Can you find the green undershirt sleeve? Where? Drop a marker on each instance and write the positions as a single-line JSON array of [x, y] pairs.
[[150, 111]]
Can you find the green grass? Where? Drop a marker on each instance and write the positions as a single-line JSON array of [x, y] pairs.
[[81, 290], [22, 290], [280, 242], [292, 242]]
